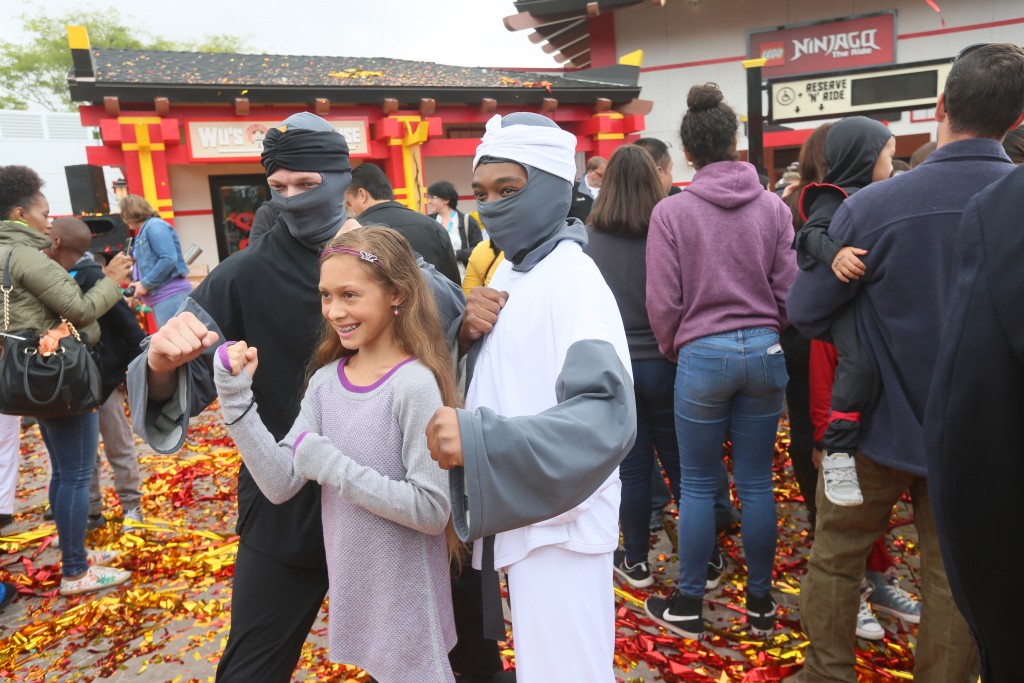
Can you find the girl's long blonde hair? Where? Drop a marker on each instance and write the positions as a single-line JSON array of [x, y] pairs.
[[417, 327]]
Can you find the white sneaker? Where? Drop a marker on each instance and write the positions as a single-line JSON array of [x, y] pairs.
[[100, 558], [841, 485], [868, 627], [132, 519], [94, 579]]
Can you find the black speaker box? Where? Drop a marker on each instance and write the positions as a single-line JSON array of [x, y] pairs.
[[87, 189]]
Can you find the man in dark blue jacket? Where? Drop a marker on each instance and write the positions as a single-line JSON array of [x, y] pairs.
[[973, 447], [908, 225]]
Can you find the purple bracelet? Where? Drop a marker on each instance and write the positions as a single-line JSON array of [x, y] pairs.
[[222, 354], [295, 446]]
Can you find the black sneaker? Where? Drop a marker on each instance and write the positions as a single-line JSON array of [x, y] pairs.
[[637, 575], [716, 567], [48, 514], [761, 613], [677, 613], [96, 522]]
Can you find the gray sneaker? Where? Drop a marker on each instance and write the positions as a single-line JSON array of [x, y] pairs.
[[841, 484], [888, 598], [868, 627], [132, 519]]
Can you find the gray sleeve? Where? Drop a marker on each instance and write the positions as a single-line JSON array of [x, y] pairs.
[[163, 424], [269, 461], [451, 302], [419, 502], [523, 470]]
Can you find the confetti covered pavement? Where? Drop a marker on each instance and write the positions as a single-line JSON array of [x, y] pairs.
[[169, 624]]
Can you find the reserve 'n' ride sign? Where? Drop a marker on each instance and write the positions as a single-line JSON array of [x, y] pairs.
[[834, 45], [829, 96]]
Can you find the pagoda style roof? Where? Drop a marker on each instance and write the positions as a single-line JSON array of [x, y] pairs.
[[207, 77], [563, 26]]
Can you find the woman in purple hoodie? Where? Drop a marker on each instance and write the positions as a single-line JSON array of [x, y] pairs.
[[719, 265]]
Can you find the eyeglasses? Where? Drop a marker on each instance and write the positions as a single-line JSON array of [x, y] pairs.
[[430, 196]]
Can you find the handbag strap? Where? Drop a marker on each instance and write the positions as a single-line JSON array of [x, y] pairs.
[[27, 384], [7, 287]]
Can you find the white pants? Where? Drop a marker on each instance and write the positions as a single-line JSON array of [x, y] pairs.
[[10, 441], [563, 617]]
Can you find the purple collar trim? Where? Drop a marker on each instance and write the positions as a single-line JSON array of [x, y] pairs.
[[359, 389]]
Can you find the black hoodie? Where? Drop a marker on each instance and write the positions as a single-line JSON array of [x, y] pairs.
[[121, 336], [852, 147]]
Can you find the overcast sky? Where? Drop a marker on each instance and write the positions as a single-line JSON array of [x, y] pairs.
[[461, 32]]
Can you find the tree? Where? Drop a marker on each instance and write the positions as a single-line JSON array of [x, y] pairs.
[[35, 72]]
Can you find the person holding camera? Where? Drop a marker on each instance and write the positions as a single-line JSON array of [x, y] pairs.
[[160, 278]]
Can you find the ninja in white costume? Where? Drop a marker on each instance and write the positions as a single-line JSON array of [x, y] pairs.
[[549, 415]]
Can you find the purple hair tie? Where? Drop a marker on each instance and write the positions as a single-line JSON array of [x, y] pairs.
[[364, 255]]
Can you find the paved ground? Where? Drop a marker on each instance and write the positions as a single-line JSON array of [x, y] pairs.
[[170, 623]]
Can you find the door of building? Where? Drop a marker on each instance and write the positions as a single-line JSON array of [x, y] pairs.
[[235, 200]]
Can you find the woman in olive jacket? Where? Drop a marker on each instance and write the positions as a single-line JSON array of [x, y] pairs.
[[41, 293]]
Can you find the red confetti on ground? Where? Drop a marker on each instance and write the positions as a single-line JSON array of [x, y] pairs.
[[174, 615]]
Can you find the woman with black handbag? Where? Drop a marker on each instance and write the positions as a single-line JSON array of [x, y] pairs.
[[38, 297]]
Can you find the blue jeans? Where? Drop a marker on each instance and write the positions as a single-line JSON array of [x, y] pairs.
[[660, 496], [655, 433], [729, 386], [165, 310], [71, 442]]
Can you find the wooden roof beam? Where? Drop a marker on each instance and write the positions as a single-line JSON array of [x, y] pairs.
[[553, 47], [525, 20], [540, 37]]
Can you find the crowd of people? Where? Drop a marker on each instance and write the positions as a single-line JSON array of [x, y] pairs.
[[482, 394]]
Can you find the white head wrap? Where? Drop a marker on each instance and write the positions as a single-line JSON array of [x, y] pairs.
[[550, 149]]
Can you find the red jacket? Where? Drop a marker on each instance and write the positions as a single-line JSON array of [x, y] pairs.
[[822, 374]]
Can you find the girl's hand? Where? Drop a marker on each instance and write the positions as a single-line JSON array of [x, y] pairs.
[[140, 290], [847, 266], [243, 357]]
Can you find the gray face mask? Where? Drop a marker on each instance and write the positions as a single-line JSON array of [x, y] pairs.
[[530, 223], [315, 216]]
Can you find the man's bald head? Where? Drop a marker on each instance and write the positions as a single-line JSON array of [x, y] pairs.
[[70, 238]]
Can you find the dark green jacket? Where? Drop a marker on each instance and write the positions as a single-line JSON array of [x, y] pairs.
[[43, 292]]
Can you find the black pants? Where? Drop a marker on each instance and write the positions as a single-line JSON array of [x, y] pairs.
[[797, 349], [851, 390], [274, 605], [473, 655]]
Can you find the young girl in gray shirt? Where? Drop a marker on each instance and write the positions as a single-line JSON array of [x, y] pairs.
[[378, 374]]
